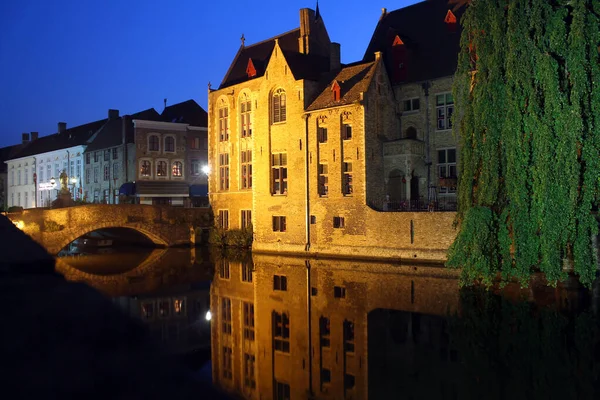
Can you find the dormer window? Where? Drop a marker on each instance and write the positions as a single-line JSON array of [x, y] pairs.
[[250, 69], [450, 21], [400, 59], [397, 41], [335, 89]]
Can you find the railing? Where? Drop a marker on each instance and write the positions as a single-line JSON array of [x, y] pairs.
[[441, 204]]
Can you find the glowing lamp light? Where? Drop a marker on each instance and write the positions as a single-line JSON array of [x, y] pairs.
[[19, 224], [206, 169], [73, 180], [208, 316], [52, 181]]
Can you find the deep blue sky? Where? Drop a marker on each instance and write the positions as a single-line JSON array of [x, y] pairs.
[[72, 60]]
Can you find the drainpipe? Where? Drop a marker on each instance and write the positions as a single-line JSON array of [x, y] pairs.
[[309, 316], [306, 185], [425, 87]]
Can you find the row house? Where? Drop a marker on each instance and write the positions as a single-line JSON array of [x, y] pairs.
[[6, 153]]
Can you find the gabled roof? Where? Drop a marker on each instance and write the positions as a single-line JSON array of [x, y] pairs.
[[111, 134], [353, 79], [432, 46], [187, 112], [6, 153], [260, 53], [76, 136]]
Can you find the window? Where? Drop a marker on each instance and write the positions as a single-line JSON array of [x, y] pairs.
[[96, 196], [346, 132], [224, 171], [145, 168], [247, 169], [338, 222], [224, 219], [247, 272], [347, 178], [56, 170], [26, 204], [227, 363], [322, 134], [87, 175], [106, 172], [195, 143], [245, 116], [19, 199], [445, 107], [170, 144], [447, 170], [115, 170], [116, 195], [278, 224], [177, 169], [281, 391], [325, 376], [106, 196], [411, 105], [279, 106], [27, 176], [323, 180], [348, 336], [195, 167], [161, 168], [78, 169], [226, 315], [115, 153], [248, 315], [339, 292], [41, 175], [349, 381], [281, 332], [224, 269], [153, 143], [280, 283], [96, 174], [49, 171], [11, 181], [19, 177], [96, 157], [249, 367], [87, 158], [223, 122], [279, 172], [179, 306], [246, 219], [106, 155], [325, 331]]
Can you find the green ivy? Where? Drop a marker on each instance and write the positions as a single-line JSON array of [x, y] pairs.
[[530, 147]]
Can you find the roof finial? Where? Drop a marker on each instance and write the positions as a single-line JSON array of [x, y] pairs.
[[383, 13], [209, 85], [317, 13], [243, 39]]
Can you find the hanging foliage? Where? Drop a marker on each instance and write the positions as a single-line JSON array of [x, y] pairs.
[[528, 118]]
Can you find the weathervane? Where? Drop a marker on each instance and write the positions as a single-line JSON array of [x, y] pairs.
[[243, 39]]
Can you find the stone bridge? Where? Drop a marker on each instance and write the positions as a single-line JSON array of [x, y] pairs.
[[163, 225]]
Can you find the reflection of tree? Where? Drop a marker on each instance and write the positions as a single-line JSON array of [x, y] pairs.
[[517, 351]]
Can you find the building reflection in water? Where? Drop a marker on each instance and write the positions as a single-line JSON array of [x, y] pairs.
[[291, 328]]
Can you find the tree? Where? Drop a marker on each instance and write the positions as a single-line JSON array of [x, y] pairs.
[[528, 117]]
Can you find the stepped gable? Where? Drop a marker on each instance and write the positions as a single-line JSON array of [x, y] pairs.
[[432, 46], [186, 112], [353, 80]]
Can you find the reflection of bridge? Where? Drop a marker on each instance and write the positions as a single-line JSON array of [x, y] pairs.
[[165, 226]]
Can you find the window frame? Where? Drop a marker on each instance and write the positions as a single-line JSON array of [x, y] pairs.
[[246, 169], [245, 219], [223, 219], [281, 331], [278, 106], [168, 145], [245, 116], [279, 178], [141, 168], [153, 141], [323, 179], [177, 169], [411, 103], [279, 223], [444, 111], [346, 131], [447, 165], [347, 179], [224, 171], [161, 163], [223, 121]]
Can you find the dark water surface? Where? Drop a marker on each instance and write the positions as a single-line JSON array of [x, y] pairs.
[[292, 328]]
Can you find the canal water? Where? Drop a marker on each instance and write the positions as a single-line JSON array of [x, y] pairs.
[[272, 327]]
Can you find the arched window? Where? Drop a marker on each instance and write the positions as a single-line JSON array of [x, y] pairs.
[[410, 133], [145, 168], [161, 168], [245, 115], [279, 106], [153, 143], [223, 121], [177, 169], [170, 144]]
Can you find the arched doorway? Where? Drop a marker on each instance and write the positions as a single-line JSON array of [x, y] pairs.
[[396, 186]]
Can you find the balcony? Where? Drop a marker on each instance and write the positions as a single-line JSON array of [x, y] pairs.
[[421, 205], [404, 147]]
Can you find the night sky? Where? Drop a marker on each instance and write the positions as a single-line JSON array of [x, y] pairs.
[[72, 60]]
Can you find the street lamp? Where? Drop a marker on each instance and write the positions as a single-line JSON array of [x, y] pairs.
[[206, 169], [73, 182]]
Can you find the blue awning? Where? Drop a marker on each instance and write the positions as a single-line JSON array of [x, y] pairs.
[[198, 190], [127, 189]]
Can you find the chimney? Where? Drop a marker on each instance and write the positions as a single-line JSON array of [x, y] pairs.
[[25, 138], [62, 127], [113, 114], [165, 102], [383, 13], [377, 55], [34, 136], [307, 16], [335, 57]]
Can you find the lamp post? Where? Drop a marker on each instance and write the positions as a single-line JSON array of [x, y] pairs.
[[73, 183]]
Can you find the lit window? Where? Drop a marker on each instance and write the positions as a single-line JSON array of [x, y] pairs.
[[170, 144], [161, 168], [445, 107], [177, 169], [279, 173], [224, 171], [145, 169], [153, 143], [279, 224], [279, 106], [223, 122]]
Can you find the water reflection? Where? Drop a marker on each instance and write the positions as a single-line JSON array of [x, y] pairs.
[[291, 328]]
